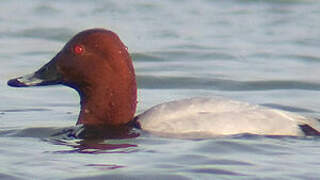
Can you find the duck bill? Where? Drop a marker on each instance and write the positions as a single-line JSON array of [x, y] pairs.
[[46, 75]]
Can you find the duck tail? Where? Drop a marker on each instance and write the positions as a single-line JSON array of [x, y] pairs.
[[308, 130]]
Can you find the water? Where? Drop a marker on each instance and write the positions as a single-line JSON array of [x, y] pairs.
[[260, 51]]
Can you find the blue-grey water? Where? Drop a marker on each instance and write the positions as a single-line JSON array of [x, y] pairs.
[[261, 51]]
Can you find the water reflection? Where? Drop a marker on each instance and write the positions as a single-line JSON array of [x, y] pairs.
[[95, 147], [96, 140]]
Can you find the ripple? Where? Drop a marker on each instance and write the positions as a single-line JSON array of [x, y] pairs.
[[297, 57], [165, 82], [205, 160], [24, 110], [182, 55], [305, 58], [56, 34], [46, 9], [193, 47], [215, 171], [281, 2], [37, 132], [143, 57], [194, 54], [153, 176], [8, 177]]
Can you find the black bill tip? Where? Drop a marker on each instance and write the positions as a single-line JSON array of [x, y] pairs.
[[16, 83]]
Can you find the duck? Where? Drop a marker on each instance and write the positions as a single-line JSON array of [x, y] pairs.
[[97, 64]]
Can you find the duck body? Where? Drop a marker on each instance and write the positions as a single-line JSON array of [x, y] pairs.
[[98, 66], [216, 116]]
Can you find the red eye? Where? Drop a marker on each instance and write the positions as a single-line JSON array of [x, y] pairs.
[[78, 49]]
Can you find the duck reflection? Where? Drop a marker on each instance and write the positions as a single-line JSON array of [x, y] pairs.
[[95, 140]]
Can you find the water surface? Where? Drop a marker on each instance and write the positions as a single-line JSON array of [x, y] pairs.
[[260, 51]]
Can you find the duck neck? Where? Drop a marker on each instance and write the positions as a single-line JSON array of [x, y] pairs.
[[107, 107]]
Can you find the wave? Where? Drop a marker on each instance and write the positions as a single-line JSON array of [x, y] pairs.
[[55, 34], [166, 82], [181, 55]]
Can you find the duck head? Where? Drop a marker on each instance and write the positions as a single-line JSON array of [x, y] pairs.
[[98, 66]]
